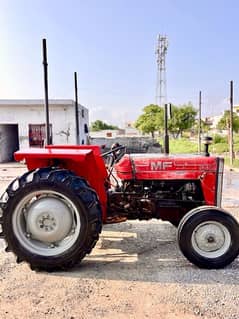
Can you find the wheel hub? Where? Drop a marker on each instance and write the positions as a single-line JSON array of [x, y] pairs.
[[49, 219], [211, 239], [47, 222]]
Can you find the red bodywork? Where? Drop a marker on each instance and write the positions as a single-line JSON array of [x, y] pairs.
[[161, 167], [86, 161]]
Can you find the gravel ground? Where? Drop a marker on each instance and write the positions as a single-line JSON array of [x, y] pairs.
[[136, 271]]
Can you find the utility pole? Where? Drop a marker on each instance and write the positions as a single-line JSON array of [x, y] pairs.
[[161, 85], [45, 64], [166, 137], [231, 124], [199, 122], [76, 111]]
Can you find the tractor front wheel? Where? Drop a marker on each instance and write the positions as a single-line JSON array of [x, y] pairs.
[[51, 219], [209, 237]]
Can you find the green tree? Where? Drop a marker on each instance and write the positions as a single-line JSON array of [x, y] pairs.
[[224, 123], [205, 127], [183, 119], [148, 122], [152, 119], [99, 125]]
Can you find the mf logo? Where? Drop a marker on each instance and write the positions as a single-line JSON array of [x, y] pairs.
[[155, 166]]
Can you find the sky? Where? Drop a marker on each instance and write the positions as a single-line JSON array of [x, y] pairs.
[[111, 45]]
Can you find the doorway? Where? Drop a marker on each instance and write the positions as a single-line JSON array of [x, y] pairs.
[[9, 142]]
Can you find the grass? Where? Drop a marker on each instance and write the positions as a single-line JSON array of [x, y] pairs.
[[221, 147], [182, 145]]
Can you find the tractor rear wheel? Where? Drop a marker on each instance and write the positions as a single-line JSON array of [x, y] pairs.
[[209, 237], [51, 219]]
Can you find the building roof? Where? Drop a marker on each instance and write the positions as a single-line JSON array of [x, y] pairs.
[[36, 102], [39, 102]]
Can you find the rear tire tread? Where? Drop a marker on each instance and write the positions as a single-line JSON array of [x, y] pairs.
[[79, 188]]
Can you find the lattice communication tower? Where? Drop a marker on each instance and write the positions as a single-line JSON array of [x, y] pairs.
[[161, 86]]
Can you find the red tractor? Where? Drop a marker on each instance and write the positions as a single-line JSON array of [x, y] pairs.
[[52, 216]]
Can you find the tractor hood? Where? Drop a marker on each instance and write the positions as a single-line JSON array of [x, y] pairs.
[[160, 166]]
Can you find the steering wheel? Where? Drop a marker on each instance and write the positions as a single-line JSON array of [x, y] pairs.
[[114, 155]]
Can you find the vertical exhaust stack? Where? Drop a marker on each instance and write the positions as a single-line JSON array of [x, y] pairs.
[[166, 137], [76, 110], [199, 122], [45, 65]]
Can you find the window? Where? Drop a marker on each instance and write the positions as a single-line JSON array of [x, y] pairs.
[[86, 130]]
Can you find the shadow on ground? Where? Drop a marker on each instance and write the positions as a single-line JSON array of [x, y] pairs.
[[146, 251]]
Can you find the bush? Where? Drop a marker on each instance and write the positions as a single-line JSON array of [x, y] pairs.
[[219, 148], [219, 139], [236, 138]]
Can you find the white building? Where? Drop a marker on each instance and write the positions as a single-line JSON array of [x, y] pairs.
[[22, 124], [130, 130], [213, 120], [236, 109]]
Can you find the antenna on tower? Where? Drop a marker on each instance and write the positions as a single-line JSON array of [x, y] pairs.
[[161, 86]]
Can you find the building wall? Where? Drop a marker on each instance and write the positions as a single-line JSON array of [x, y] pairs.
[[64, 126], [106, 133], [236, 109], [61, 115], [83, 121]]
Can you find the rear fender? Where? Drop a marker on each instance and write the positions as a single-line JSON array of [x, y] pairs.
[[84, 161]]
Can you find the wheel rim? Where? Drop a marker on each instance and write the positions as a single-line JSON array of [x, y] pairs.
[[211, 239], [46, 223]]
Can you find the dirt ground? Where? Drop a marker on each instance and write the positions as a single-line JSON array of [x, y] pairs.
[[135, 271]]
